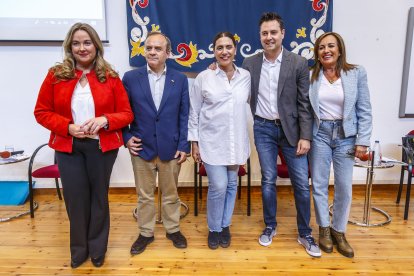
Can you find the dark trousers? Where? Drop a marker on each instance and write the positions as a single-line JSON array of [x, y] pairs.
[[85, 175]]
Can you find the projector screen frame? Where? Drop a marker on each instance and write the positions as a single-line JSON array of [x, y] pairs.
[[53, 41]]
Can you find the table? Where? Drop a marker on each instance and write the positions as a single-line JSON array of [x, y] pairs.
[[12, 160], [368, 193]]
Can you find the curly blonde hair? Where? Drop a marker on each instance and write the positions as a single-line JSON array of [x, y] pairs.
[[66, 69]]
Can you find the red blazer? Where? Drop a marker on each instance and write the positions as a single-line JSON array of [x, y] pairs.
[[53, 109]]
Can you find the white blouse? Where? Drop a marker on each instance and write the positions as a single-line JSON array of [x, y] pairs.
[[218, 116], [83, 106], [331, 100]]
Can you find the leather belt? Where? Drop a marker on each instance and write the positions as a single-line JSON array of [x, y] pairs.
[[275, 121]]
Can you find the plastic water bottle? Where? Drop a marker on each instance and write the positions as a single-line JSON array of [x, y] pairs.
[[378, 154]]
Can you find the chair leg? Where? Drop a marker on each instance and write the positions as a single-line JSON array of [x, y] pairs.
[[31, 196], [248, 187], [195, 190], [401, 185], [407, 197], [239, 188], [57, 188], [200, 186]]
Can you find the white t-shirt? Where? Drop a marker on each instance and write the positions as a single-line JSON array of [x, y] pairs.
[[331, 99]]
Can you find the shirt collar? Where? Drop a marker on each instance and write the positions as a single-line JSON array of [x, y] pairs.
[[278, 59], [220, 71], [150, 71]]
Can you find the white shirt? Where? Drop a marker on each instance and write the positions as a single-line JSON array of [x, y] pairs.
[[268, 84], [331, 100], [218, 116], [82, 105], [157, 83]]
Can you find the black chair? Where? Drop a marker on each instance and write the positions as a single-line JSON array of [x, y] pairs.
[[50, 171], [407, 157], [200, 171]]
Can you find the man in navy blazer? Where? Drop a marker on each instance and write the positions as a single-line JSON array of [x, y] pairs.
[[157, 139]]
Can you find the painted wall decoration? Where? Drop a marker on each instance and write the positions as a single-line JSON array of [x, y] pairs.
[[192, 24]]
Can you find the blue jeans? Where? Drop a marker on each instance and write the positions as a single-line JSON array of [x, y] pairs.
[[222, 189], [330, 146], [268, 138]]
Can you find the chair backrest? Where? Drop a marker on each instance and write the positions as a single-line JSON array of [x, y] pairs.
[[408, 148], [243, 169], [282, 169]]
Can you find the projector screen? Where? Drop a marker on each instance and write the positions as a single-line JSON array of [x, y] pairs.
[[48, 20]]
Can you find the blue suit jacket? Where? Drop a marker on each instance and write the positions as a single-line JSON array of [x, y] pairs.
[[357, 118], [162, 132]]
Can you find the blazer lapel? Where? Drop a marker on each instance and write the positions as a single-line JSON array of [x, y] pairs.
[[168, 87], [314, 95], [144, 82], [285, 68], [349, 85], [257, 69]]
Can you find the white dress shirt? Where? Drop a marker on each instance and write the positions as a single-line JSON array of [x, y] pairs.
[[268, 84], [82, 105], [331, 100], [218, 116], [157, 82]]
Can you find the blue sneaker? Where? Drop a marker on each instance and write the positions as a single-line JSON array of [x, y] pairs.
[[310, 246], [266, 237]]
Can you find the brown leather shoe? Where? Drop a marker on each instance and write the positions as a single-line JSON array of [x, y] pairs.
[[178, 239], [342, 244], [140, 244], [325, 239]]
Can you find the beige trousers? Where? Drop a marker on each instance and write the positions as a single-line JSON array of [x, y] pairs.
[[145, 173]]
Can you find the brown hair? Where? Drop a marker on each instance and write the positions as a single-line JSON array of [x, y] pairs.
[[341, 64], [271, 16], [224, 34], [66, 69]]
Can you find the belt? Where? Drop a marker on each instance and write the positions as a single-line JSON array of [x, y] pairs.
[[333, 120], [275, 121]]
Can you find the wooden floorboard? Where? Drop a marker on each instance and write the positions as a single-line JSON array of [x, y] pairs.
[[40, 246]]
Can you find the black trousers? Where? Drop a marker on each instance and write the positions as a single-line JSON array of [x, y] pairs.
[[85, 175]]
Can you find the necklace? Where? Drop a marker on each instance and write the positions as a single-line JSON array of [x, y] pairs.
[[330, 80]]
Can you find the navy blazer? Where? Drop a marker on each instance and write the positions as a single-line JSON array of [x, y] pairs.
[[162, 132]]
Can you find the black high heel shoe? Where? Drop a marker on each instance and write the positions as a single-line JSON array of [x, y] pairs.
[[75, 264], [99, 261]]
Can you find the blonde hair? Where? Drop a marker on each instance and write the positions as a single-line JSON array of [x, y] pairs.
[[341, 64], [66, 69]]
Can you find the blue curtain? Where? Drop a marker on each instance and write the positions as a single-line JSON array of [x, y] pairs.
[[192, 24]]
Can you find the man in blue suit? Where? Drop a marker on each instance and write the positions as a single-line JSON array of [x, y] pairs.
[[157, 139]]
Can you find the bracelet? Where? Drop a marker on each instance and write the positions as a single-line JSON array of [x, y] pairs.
[[106, 127]]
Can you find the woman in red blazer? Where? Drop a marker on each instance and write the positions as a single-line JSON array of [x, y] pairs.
[[83, 103]]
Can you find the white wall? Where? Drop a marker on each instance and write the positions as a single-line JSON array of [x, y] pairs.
[[374, 32]]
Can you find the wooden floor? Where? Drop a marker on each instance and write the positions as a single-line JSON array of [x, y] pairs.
[[40, 246]]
